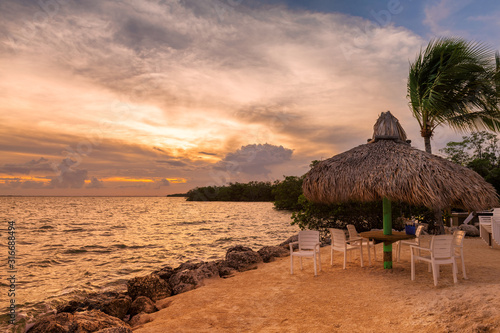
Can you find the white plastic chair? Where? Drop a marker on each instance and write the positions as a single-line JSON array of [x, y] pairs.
[[458, 244], [441, 252], [353, 235], [309, 246], [339, 243], [485, 228], [414, 241]]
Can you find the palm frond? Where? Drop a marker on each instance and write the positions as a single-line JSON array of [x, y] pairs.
[[456, 82]]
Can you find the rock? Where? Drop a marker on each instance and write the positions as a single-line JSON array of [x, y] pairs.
[[111, 303], [189, 276], [225, 271], [470, 230], [242, 258], [291, 239], [151, 286], [118, 307], [115, 330], [72, 306], [182, 281], [165, 272], [207, 270], [140, 319], [79, 322], [142, 304], [268, 253]]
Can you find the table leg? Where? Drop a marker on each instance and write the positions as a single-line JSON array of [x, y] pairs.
[[387, 255]]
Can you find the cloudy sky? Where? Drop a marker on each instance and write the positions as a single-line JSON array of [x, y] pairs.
[[139, 97]]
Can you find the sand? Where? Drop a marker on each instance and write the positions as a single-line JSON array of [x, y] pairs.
[[368, 299]]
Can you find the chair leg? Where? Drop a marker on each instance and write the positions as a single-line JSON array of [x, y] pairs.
[[291, 264], [331, 255], [319, 260], [361, 253], [435, 271], [399, 245], [368, 248], [455, 271], [374, 253], [315, 270], [345, 258], [463, 263], [412, 267]]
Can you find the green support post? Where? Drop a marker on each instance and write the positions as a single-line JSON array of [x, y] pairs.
[[387, 231]]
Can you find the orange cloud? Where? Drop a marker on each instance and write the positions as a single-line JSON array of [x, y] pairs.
[[142, 180]]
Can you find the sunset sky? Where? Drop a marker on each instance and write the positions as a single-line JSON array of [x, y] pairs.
[[140, 97]]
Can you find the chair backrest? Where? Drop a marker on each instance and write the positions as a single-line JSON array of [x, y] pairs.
[[469, 218], [485, 219], [308, 239], [353, 233], [458, 238], [419, 230], [338, 238], [442, 246]]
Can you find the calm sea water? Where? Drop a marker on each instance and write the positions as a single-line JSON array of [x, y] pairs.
[[69, 246]]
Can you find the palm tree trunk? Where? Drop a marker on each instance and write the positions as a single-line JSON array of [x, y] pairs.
[[438, 214], [427, 142]]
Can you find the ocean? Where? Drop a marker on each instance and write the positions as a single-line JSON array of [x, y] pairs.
[[66, 247]]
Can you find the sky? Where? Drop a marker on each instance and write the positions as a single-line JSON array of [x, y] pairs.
[[156, 97]]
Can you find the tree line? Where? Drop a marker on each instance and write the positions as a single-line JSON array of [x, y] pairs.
[[252, 191]]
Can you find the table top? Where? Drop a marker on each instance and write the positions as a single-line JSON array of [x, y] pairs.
[[378, 235]]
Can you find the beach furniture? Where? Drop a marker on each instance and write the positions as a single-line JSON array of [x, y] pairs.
[[414, 241], [353, 234], [489, 228], [440, 252], [341, 244], [485, 228], [458, 244], [309, 246]]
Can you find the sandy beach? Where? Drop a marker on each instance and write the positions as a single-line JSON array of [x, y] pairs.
[[368, 299]]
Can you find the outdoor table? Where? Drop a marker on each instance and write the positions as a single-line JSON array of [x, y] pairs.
[[378, 236]]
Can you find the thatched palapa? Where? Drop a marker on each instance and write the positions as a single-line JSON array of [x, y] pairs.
[[389, 167]]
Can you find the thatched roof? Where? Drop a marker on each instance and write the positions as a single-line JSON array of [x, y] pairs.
[[388, 127], [393, 169]]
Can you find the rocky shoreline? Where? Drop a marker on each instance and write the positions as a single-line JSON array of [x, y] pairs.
[[113, 312]]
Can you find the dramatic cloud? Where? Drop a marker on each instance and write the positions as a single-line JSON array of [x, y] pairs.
[[162, 182], [69, 176], [254, 159], [142, 95], [40, 165], [95, 183]]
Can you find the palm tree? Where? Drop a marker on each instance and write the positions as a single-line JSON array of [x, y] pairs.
[[455, 82]]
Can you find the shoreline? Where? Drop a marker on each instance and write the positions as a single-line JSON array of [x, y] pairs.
[[266, 298], [368, 299], [124, 309]]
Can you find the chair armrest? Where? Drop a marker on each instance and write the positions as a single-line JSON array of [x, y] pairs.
[[420, 248], [355, 239], [291, 245]]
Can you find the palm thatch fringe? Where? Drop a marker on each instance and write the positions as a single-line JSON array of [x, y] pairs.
[[388, 168]]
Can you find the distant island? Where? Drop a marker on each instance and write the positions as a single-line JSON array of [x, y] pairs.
[[252, 191], [177, 195]]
